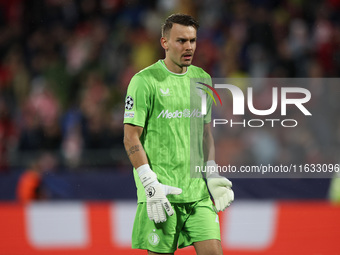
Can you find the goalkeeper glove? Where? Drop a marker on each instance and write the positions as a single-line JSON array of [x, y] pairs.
[[156, 194], [334, 189], [219, 187]]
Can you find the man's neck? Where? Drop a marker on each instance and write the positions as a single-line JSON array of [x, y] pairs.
[[173, 67]]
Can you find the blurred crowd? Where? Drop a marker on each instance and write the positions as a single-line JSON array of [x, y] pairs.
[[65, 65]]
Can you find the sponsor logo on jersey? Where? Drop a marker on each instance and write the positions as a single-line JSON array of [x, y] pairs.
[[165, 93], [129, 115], [186, 113]]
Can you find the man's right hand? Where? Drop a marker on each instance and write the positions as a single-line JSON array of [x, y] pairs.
[[156, 193]]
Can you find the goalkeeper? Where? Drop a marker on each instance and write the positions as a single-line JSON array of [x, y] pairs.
[[174, 209]]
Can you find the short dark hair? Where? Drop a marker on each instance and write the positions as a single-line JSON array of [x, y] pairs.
[[182, 19]]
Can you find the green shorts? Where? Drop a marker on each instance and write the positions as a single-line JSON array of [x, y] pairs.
[[191, 222]]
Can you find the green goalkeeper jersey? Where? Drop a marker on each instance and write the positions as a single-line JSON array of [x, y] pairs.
[[168, 107]]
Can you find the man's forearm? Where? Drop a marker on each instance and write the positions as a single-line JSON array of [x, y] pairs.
[[208, 144], [133, 146], [136, 153]]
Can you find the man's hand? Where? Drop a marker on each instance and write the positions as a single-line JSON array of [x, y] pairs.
[[219, 187], [156, 193]]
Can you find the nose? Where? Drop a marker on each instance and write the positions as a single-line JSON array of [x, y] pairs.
[[188, 45]]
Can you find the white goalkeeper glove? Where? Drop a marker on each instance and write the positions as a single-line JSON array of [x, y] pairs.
[[156, 194], [219, 187]]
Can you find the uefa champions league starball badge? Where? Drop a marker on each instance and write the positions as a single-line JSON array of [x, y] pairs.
[[128, 103]]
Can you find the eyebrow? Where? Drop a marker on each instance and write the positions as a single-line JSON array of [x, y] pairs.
[[186, 39]]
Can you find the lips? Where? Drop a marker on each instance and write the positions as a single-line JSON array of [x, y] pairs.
[[187, 56]]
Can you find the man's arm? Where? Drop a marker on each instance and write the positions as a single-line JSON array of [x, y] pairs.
[[208, 143], [156, 200], [219, 186], [133, 146]]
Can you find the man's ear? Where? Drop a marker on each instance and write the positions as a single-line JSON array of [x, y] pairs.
[[164, 43]]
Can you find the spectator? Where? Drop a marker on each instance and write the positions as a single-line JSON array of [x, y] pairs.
[[7, 135], [30, 185]]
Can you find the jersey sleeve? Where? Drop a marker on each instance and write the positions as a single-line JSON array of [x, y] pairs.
[[137, 102]]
